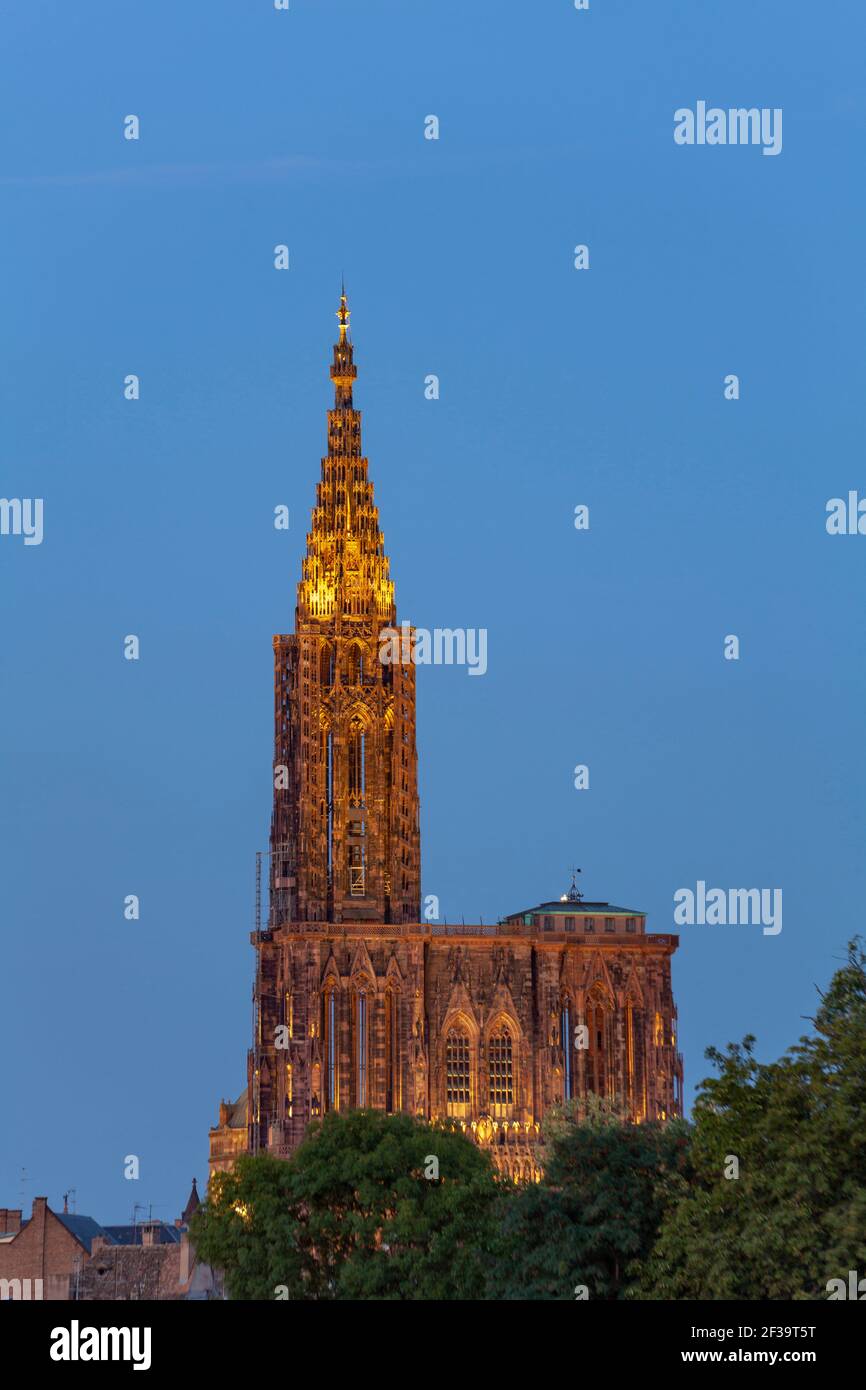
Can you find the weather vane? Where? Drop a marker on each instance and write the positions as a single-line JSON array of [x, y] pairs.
[[574, 894]]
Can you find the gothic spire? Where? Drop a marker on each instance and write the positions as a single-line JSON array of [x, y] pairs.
[[343, 369]]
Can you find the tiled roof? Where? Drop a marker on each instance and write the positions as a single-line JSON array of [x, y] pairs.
[[132, 1235], [84, 1228]]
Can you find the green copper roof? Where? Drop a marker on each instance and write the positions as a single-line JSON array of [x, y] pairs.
[[574, 909]]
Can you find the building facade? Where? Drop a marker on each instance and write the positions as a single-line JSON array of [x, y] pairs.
[[62, 1256], [360, 1003]]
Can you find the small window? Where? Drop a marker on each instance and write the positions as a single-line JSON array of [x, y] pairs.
[[569, 924], [631, 924], [608, 924], [589, 924], [548, 924]]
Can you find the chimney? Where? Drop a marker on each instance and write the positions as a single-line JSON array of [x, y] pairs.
[[10, 1221]]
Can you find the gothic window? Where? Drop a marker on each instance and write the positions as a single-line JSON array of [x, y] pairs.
[[634, 1060], [600, 1077], [361, 1048], [567, 1053], [289, 1089], [458, 1073], [357, 759], [326, 665], [392, 1073], [327, 752], [329, 1035], [356, 664], [501, 1074]]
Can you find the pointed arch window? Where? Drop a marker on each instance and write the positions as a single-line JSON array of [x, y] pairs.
[[327, 757], [357, 763], [634, 1067], [565, 1031], [600, 1073], [357, 795], [326, 664], [392, 1057], [362, 1048], [458, 1072], [356, 664], [500, 1054], [330, 1039]]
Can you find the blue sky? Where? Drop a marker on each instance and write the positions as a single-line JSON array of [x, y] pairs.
[[558, 387]]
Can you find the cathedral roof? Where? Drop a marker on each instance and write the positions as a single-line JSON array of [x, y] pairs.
[[571, 908], [238, 1112]]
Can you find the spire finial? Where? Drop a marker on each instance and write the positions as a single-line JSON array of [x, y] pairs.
[[343, 369], [574, 893], [343, 312]]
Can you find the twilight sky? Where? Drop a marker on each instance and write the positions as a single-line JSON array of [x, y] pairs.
[[602, 387]]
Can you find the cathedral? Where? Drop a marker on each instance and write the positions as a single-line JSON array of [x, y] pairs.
[[357, 1001]]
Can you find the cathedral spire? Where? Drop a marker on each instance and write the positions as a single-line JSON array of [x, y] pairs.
[[343, 312], [344, 832], [343, 369]]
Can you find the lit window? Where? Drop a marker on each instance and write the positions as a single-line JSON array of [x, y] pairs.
[[457, 1072]]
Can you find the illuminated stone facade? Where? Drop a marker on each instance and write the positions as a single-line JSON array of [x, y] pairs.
[[358, 1002]]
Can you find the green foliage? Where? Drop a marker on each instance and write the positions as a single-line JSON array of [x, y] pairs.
[[595, 1213], [627, 1210], [796, 1215], [351, 1214]]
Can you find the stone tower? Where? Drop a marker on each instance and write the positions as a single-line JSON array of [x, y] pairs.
[[358, 1003], [344, 831]]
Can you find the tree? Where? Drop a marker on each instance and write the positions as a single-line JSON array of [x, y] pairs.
[[596, 1211], [369, 1206], [790, 1213]]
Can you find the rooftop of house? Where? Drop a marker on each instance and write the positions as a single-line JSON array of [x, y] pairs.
[[84, 1228]]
